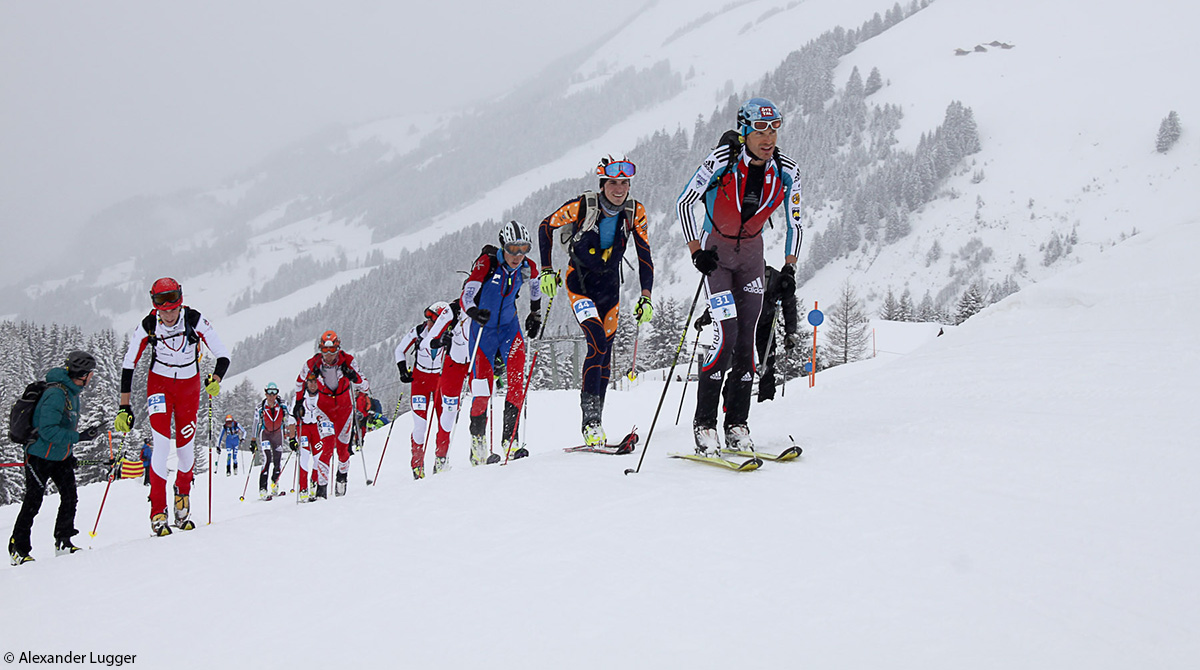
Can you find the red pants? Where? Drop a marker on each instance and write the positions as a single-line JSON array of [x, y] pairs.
[[168, 399], [514, 366], [426, 395], [310, 444], [339, 410]]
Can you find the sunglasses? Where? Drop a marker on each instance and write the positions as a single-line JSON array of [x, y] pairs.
[[518, 248], [763, 125], [619, 169], [167, 297]]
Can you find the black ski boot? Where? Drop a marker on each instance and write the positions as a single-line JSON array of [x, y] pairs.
[[592, 407], [63, 546], [339, 486], [16, 556]]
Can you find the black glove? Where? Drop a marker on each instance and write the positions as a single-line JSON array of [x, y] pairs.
[[442, 340], [787, 281], [705, 260], [293, 444], [90, 433], [298, 410], [533, 324], [703, 320], [791, 341], [350, 374], [405, 374], [481, 316], [218, 451], [253, 446]]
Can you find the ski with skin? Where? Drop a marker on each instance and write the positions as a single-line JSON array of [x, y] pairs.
[[736, 466], [790, 454], [627, 445]]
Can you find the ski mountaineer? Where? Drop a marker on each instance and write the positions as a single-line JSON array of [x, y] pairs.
[[147, 453], [49, 459], [313, 427], [271, 421], [173, 332], [429, 342], [335, 374], [595, 230], [489, 297], [230, 438], [742, 182]]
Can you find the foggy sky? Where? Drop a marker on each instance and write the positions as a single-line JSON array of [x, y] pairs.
[[100, 101]]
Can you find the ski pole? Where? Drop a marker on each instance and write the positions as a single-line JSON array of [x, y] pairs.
[[110, 481], [686, 377], [667, 385], [467, 380], [399, 399], [210, 463], [632, 375], [362, 455], [524, 397], [249, 472]]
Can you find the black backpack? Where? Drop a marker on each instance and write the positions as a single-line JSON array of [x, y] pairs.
[[20, 418]]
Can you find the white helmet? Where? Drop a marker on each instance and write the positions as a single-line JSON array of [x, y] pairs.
[[514, 233]]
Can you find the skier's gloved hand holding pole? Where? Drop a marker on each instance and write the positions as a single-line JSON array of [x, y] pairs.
[[533, 324], [90, 433], [705, 260], [549, 282], [212, 385], [298, 411], [125, 419], [787, 281], [481, 316], [350, 374], [405, 374], [644, 311]]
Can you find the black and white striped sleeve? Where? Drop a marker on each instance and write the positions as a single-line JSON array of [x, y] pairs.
[[696, 187]]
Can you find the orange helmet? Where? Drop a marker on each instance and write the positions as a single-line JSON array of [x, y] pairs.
[[329, 342]]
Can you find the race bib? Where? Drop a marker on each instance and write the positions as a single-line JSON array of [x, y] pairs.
[[304, 441], [586, 309], [721, 306], [157, 403], [419, 402], [325, 428], [450, 402]]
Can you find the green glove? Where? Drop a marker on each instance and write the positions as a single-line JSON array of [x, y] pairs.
[[124, 421], [212, 386], [644, 310], [549, 282]]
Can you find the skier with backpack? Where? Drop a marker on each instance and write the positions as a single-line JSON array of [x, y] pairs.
[[742, 182], [489, 298], [595, 230], [230, 438], [44, 419], [428, 342], [312, 428], [335, 374], [173, 333], [271, 419]]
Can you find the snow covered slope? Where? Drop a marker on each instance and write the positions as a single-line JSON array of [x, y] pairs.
[[1015, 493]]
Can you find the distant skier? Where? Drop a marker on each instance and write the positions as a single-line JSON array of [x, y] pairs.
[[147, 453], [49, 458], [742, 182], [427, 342], [271, 420], [489, 297], [595, 230], [173, 333], [336, 375], [230, 439]]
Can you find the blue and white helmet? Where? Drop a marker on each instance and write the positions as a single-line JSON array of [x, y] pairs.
[[756, 109]]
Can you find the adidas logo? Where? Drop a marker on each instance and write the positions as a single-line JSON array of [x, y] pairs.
[[755, 286], [746, 377], [715, 375]]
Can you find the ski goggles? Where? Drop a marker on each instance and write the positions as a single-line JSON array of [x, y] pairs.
[[330, 348], [518, 248], [167, 299], [618, 170], [272, 392], [762, 124]]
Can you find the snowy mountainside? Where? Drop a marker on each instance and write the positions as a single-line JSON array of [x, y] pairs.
[[1014, 493]]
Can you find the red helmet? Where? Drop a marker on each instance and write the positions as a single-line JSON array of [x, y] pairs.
[[329, 342], [166, 293]]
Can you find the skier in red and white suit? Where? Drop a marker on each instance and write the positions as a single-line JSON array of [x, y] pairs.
[[428, 339], [173, 334], [312, 430], [336, 375]]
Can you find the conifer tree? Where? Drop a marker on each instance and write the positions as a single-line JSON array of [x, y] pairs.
[[1168, 133], [848, 328], [969, 305]]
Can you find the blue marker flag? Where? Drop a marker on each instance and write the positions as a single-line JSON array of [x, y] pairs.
[[815, 317]]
